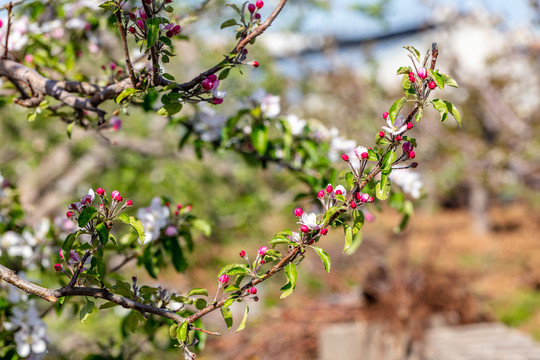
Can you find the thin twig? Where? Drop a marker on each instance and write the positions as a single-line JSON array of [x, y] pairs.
[[153, 49], [122, 30], [9, 8]]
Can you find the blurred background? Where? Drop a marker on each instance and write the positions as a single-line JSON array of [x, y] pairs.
[[470, 253]]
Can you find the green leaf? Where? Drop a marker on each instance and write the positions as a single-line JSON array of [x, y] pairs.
[[182, 331], [292, 275], [271, 255], [325, 258], [131, 322], [107, 305], [328, 214], [168, 76], [103, 233], [152, 33], [172, 331], [125, 94], [173, 248], [357, 241], [438, 78], [382, 191], [396, 108], [86, 310], [224, 74], [441, 107], [388, 160], [69, 129], [348, 236], [123, 288], [109, 5], [68, 243], [227, 316], [198, 291], [358, 220], [227, 23], [200, 304], [86, 215], [202, 226], [234, 269], [449, 81], [32, 116], [244, 319], [404, 70], [419, 114], [454, 111], [259, 138], [170, 109], [413, 51], [134, 223]]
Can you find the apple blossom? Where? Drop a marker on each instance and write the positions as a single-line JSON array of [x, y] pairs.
[[263, 250], [223, 279], [253, 290], [153, 218], [422, 73], [259, 4], [242, 253], [310, 220], [340, 190], [251, 7], [397, 128]]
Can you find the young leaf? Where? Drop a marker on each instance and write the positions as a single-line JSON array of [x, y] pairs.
[[259, 138], [124, 94], [243, 323], [449, 81], [441, 107], [396, 108], [438, 78], [325, 258], [182, 331], [172, 331], [103, 233], [413, 51], [86, 310], [357, 241], [170, 109], [86, 215], [348, 236], [230, 22], [292, 275], [454, 111], [68, 243], [227, 316], [404, 70], [69, 129], [198, 291], [358, 221], [152, 32]]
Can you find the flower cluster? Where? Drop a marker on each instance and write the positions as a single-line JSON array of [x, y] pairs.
[[211, 84]]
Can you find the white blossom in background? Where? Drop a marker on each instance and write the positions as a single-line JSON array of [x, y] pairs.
[[409, 181], [339, 145], [296, 124], [31, 336], [153, 218], [208, 124], [2, 194], [270, 104]]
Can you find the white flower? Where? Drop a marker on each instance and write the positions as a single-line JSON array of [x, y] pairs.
[[409, 181], [154, 218], [32, 331], [339, 145], [342, 189], [310, 220], [359, 151], [295, 236], [270, 104], [397, 128], [296, 124]]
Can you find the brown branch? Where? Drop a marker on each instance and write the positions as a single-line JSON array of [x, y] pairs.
[[125, 46], [53, 295], [9, 8], [153, 49]]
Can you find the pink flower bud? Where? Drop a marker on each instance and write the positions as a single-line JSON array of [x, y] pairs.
[[255, 64], [357, 196], [422, 73], [262, 250], [129, 203], [253, 290], [371, 199], [29, 58], [212, 77], [385, 115], [364, 155], [112, 66], [324, 231], [411, 77], [411, 154], [345, 157], [353, 205], [364, 197], [338, 192], [432, 85], [140, 24], [1, 23], [168, 1], [242, 253], [132, 30], [207, 84], [298, 212], [304, 228], [70, 214], [223, 279], [119, 198], [100, 191], [251, 7], [57, 267], [398, 138], [177, 213], [409, 126], [257, 16], [188, 208], [263, 262], [178, 206], [217, 101], [381, 134], [329, 188], [142, 14], [259, 4], [320, 194]]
